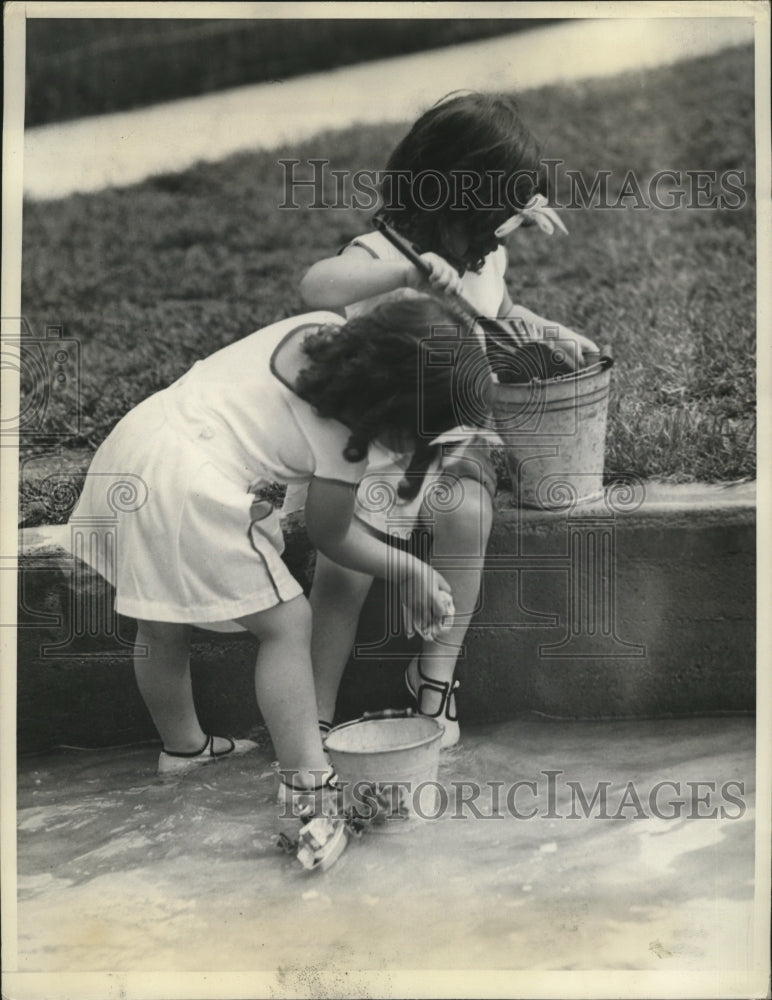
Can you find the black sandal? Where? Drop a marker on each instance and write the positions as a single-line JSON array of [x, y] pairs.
[[177, 761], [209, 745], [446, 690]]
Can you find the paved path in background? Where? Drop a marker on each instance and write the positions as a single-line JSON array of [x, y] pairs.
[[92, 153]]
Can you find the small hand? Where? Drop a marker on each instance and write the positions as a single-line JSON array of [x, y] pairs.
[[578, 349], [572, 351], [443, 278], [427, 604]]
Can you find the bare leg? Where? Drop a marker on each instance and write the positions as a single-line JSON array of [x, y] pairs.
[[163, 677], [337, 596], [284, 685], [461, 532]]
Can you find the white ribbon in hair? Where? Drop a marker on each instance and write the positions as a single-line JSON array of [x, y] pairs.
[[537, 210]]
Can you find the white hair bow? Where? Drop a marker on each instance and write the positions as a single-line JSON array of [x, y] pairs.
[[537, 210]]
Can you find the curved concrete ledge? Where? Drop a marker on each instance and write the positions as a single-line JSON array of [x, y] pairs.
[[640, 604]]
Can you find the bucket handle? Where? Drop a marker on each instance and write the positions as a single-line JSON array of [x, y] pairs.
[[388, 713], [604, 362]]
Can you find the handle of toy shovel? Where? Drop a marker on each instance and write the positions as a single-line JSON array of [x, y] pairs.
[[493, 328], [506, 337]]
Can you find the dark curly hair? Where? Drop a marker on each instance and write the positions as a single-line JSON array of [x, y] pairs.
[[411, 366], [481, 135]]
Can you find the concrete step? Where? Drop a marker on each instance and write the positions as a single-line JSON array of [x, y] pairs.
[[641, 605]]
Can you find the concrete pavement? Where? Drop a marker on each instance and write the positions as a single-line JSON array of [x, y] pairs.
[[120, 149], [122, 875]]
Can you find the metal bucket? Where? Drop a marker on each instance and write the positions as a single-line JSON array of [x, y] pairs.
[[388, 765], [554, 433]]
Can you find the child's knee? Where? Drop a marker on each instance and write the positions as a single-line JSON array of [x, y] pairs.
[[465, 508], [472, 462]]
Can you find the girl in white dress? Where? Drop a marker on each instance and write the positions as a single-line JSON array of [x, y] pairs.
[[465, 175], [299, 401]]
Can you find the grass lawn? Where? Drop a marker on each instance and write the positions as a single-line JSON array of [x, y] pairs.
[[150, 278]]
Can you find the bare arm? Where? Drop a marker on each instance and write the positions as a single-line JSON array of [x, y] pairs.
[[332, 530], [355, 275]]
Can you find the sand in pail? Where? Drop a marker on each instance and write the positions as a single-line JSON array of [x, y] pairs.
[[554, 433], [394, 756]]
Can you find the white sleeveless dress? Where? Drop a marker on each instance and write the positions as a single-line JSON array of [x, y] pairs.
[[172, 486]]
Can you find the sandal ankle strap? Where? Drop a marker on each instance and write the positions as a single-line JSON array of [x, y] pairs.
[[209, 745], [444, 688], [330, 781]]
